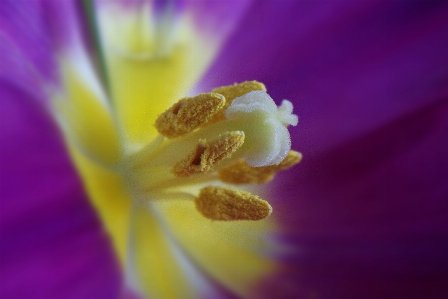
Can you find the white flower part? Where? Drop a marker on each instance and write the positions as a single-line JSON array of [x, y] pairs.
[[284, 114], [266, 133], [252, 101]]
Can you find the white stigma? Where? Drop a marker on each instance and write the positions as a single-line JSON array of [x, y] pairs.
[[265, 124]]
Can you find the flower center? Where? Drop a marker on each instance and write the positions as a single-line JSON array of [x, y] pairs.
[[143, 32], [233, 135]]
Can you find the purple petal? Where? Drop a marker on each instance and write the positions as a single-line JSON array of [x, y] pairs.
[[17, 70], [214, 19], [370, 218], [347, 66], [366, 211], [217, 18], [39, 30], [52, 242]]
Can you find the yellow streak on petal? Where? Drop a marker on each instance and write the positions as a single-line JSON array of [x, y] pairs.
[[188, 114], [143, 84], [86, 119], [218, 203], [109, 197], [153, 257], [160, 275], [143, 89], [235, 253], [242, 173]]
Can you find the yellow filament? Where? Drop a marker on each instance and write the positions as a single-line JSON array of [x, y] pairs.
[[226, 204], [188, 114], [242, 173], [209, 153]]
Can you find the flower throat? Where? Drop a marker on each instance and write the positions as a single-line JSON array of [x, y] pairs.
[[234, 135]]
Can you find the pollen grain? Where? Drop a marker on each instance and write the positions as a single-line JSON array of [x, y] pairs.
[[189, 113], [209, 153], [218, 203]]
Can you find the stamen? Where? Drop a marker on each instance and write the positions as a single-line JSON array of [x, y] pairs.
[[226, 204], [188, 114], [231, 92], [242, 173], [208, 153]]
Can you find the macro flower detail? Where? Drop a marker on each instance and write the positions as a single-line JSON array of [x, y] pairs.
[[154, 173], [154, 178], [111, 189], [234, 135], [206, 144], [195, 145]]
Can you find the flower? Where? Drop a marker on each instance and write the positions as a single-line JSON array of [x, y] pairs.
[[145, 174], [364, 216]]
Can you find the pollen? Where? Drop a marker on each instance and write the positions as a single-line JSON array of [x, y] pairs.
[[189, 113], [242, 173], [209, 153], [231, 92], [218, 203], [233, 135]]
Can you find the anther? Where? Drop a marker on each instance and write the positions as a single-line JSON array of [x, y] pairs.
[[242, 173], [188, 114], [231, 92], [218, 203], [209, 153]]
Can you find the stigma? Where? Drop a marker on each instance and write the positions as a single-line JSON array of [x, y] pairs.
[[233, 136]]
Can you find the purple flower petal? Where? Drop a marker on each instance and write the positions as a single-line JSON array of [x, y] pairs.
[[40, 30], [366, 211], [52, 243], [17, 70], [217, 18], [369, 218], [24, 25], [365, 214], [347, 66]]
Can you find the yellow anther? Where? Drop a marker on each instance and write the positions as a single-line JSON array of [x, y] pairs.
[[291, 159], [188, 114], [231, 92], [226, 204], [242, 173], [208, 153]]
